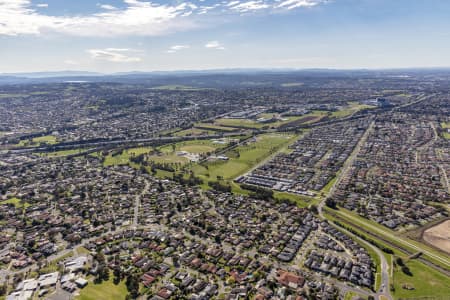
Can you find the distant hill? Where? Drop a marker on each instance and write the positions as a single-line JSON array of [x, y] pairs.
[[221, 78]]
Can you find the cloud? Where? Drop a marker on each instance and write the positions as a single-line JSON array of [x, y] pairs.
[[214, 45], [18, 17], [107, 7], [176, 48], [247, 6], [118, 55], [135, 18], [291, 4]]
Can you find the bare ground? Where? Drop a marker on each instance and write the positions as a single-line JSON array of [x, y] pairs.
[[439, 236]]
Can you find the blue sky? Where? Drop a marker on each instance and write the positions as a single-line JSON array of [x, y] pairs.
[[145, 35]]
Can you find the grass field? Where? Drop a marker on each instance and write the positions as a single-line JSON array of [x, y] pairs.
[[193, 132], [213, 127], [352, 295], [124, 158], [175, 87], [169, 158], [242, 158], [238, 123], [292, 84], [61, 153], [48, 139], [4, 96], [252, 124], [16, 202], [301, 201], [195, 146], [446, 135], [425, 281], [350, 109], [104, 291], [168, 153]]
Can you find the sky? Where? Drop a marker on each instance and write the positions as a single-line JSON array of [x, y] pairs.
[[151, 35]]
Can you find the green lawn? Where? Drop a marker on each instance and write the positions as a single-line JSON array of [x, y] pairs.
[[177, 87], [209, 126], [243, 157], [195, 146], [253, 124], [124, 158], [352, 295], [49, 139], [46, 139], [301, 201], [238, 123], [425, 281], [4, 96], [292, 84], [105, 291], [169, 158], [16, 201], [167, 153], [61, 153], [193, 132], [445, 125], [350, 109]]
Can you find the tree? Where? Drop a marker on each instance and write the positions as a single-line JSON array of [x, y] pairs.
[[406, 270], [314, 209], [3, 290], [330, 203], [132, 284]]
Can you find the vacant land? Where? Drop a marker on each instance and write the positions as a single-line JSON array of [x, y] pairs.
[[439, 236], [103, 291]]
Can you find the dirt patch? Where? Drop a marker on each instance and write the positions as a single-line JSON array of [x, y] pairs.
[[439, 236]]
